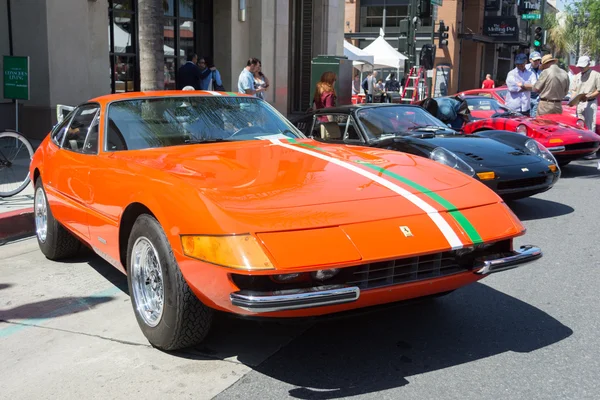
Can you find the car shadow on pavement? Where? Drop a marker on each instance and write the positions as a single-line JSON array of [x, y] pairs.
[[52, 308], [5, 285], [581, 169], [379, 351], [536, 208]]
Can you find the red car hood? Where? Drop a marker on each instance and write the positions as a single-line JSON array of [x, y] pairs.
[[258, 175], [549, 129]]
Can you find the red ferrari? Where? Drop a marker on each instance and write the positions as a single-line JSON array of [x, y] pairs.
[[565, 142], [568, 117]]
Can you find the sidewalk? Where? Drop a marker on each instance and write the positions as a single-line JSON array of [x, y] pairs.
[[16, 215]]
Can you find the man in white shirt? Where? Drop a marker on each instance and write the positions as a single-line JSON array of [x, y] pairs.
[[246, 79], [371, 82], [519, 82]]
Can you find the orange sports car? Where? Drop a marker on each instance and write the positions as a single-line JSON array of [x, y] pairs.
[[215, 202]]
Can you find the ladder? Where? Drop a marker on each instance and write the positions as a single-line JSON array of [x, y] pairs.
[[411, 85]]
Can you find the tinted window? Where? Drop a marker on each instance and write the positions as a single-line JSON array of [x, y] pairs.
[[178, 120], [83, 123], [483, 104]]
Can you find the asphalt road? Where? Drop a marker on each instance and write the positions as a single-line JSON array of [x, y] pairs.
[[68, 331]]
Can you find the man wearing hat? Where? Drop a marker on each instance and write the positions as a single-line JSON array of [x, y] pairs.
[[519, 82], [552, 86], [535, 67], [587, 81]]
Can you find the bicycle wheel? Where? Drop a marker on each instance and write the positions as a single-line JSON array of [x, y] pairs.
[[15, 157]]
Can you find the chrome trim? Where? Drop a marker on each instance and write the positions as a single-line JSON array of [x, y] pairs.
[[556, 149], [524, 255], [294, 299]]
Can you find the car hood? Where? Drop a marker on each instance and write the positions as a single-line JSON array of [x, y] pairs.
[[546, 128], [259, 175], [485, 152]]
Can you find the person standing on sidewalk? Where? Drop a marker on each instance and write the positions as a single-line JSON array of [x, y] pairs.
[[519, 82], [246, 78], [488, 82], [552, 87]]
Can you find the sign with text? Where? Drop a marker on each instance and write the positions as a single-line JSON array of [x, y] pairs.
[[529, 5], [530, 16], [16, 77], [501, 28]]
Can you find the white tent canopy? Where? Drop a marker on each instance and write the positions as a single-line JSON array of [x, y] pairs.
[[358, 56], [384, 55]]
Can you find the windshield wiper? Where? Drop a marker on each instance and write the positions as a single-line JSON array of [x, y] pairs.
[[205, 140], [430, 128]]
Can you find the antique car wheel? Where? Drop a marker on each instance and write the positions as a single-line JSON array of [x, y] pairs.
[[168, 312], [54, 240]]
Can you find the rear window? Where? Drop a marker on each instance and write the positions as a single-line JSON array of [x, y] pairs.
[[178, 120]]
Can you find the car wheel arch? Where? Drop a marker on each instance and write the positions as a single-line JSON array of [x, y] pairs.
[[128, 218]]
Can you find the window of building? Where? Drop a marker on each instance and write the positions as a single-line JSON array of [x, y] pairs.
[[187, 27], [122, 44]]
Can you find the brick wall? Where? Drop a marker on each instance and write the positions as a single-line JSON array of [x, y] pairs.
[[450, 12], [352, 15]]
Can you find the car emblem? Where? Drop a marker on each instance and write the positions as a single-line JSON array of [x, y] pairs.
[[524, 169], [406, 231]]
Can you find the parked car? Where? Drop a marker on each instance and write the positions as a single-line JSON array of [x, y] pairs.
[[214, 202], [568, 117], [565, 142], [512, 165]]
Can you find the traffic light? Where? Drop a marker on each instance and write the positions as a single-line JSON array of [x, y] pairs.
[[537, 37], [442, 35]]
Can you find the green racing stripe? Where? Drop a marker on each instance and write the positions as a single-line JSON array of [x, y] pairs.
[[450, 208]]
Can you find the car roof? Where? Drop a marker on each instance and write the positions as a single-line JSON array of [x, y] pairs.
[[352, 107], [163, 93]]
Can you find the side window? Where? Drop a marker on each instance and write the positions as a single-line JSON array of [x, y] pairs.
[[84, 124], [352, 135], [58, 133], [330, 127]]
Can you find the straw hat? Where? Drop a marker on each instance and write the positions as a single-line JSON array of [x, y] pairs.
[[548, 58]]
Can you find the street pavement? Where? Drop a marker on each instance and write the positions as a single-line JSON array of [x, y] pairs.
[[67, 330]]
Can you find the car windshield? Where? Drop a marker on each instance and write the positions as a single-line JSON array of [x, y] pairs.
[[483, 104], [501, 93], [397, 120], [177, 120]]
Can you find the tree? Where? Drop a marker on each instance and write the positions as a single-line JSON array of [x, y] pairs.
[[586, 17], [151, 39], [561, 34]]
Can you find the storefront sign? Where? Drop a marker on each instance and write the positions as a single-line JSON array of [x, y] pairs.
[[16, 78], [501, 28]]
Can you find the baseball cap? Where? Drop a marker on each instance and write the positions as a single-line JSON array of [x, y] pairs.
[[583, 61], [535, 56], [521, 59]]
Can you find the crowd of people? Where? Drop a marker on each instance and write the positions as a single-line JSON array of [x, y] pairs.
[[201, 74]]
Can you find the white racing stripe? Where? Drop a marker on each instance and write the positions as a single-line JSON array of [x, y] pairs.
[[435, 216], [214, 93]]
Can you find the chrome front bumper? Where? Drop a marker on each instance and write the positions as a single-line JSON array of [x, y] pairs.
[[294, 299], [524, 255], [262, 302]]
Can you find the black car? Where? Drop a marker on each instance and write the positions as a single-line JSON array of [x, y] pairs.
[[512, 165]]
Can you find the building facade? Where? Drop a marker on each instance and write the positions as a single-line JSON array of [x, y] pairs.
[[81, 49], [483, 38]]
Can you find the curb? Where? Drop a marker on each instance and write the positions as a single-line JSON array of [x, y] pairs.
[[16, 224]]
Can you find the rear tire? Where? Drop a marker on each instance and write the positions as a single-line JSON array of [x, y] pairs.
[[168, 312], [54, 240]]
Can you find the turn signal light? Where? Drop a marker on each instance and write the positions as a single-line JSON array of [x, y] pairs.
[[552, 167], [486, 176], [556, 141], [232, 251]]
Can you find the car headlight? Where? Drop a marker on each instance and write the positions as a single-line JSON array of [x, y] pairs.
[[522, 129], [232, 251], [450, 159], [581, 124], [538, 149]]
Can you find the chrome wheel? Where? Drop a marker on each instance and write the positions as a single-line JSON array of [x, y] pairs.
[[147, 281], [41, 215]]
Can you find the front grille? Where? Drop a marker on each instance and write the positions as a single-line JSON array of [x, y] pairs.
[[582, 146], [405, 270], [522, 183]]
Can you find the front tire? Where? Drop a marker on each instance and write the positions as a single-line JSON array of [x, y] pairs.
[[54, 240], [167, 311]]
